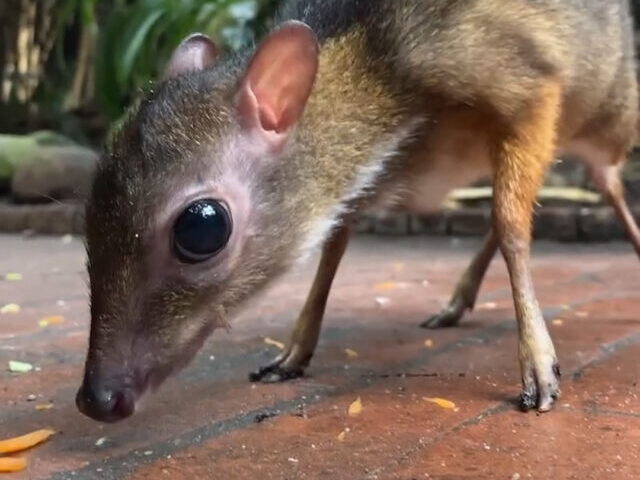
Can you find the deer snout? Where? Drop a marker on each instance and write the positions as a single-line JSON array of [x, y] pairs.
[[106, 400]]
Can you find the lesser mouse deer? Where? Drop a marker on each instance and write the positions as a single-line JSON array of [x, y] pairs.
[[234, 168]]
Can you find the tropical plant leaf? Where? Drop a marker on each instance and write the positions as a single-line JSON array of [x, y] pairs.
[[138, 37], [135, 44]]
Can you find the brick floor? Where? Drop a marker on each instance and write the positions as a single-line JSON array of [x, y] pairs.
[[202, 423]]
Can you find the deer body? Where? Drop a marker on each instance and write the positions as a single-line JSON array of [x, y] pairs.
[[234, 169]]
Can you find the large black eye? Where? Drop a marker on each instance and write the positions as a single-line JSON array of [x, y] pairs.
[[201, 231]]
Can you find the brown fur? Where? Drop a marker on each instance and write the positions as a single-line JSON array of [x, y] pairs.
[[412, 98]]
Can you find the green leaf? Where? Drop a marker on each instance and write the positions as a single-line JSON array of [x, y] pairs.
[[135, 45], [138, 37], [88, 12], [108, 93]]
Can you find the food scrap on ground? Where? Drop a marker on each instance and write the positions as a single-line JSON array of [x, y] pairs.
[[382, 301], [44, 406], [275, 343], [351, 353], [488, 306], [428, 343], [342, 435], [18, 444], [355, 408], [19, 367], [10, 308], [385, 286], [51, 320], [441, 402], [9, 464], [13, 277], [557, 322]]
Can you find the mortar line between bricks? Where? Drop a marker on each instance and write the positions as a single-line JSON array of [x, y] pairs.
[[606, 351], [605, 412], [115, 468]]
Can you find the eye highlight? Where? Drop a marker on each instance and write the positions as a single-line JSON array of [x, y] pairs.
[[201, 231]]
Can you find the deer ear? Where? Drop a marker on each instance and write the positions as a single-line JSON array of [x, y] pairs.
[[278, 81], [196, 52]]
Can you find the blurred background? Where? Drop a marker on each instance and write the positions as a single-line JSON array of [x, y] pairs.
[[70, 68]]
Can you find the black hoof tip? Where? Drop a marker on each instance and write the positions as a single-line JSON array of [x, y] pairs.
[[527, 401], [275, 374], [441, 320]]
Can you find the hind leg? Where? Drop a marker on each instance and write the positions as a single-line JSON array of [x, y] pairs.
[[466, 291], [607, 178]]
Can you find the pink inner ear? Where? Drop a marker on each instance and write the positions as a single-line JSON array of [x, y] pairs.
[[280, 77], [196, 52], [268, 118]]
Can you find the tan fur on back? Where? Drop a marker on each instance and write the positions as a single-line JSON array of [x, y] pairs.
[[466, 69]]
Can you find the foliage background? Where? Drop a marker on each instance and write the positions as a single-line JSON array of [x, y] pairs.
[[95, 56], [74, 65]]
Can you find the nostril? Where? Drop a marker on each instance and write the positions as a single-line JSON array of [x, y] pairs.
[[104, 403], [124, 404]]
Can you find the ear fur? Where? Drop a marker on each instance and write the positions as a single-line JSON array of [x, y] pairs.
[[278, 81]]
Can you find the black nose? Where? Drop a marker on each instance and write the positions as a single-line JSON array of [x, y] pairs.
[[103, 402]]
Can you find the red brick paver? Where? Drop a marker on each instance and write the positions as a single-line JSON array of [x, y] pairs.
[[202, 423]]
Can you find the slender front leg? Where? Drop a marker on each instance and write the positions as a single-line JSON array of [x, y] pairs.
[[304, 338], [522, 154], [466, 291]]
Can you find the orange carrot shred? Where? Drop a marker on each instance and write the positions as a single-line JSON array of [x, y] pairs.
[[8, 464], [17, 444], [442, 402]]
